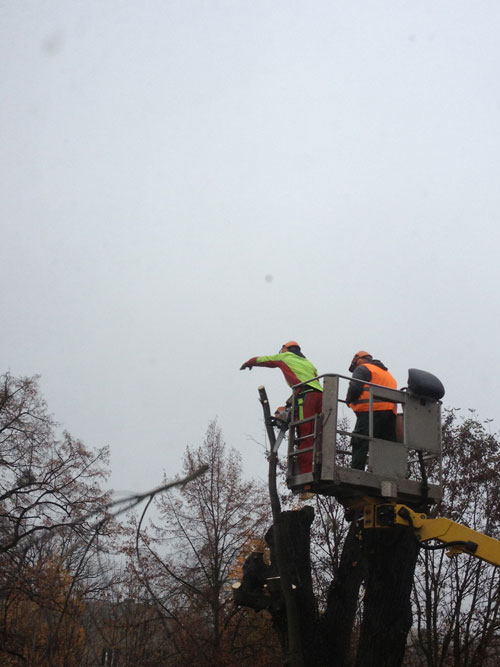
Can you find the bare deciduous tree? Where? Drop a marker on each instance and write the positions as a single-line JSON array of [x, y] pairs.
[[46, 482], [458, 599], [50, 495], [191, 560]]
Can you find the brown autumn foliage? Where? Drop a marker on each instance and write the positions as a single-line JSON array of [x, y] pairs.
[[50, 496], [42, 618]]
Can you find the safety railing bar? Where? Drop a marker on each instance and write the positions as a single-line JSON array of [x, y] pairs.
[[344, 377], [351, 433], [305, 437], [303, 421], [427, 457], [400, 400], [298, 452]]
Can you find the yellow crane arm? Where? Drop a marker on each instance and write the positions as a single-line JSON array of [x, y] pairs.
[[456, 537]]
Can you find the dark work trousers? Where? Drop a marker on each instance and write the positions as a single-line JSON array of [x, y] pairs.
[[310, 403], [384, 427]]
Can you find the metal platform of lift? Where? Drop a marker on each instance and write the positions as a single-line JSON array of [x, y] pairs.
[[408, 471], [349, 486]]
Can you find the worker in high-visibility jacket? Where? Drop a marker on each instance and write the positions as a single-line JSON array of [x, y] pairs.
[[297, 369], [365, 368]]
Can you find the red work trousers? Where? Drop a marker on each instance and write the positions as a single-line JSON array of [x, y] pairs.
[[310, 404]]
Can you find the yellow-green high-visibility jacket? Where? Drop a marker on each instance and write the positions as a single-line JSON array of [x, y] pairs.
[[295, 368]]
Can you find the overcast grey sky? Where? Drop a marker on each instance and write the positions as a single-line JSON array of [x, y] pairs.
[[186, 184]]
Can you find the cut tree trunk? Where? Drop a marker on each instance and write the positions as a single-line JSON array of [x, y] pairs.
[[391, 556]]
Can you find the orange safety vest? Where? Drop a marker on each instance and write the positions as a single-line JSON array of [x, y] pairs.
[[381, 377]]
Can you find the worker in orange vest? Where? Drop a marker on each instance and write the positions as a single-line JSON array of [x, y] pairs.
[[297, 369], [365, 368]]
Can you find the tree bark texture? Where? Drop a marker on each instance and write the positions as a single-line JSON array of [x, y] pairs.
[[391, 556], [338, 620], [296, 534]]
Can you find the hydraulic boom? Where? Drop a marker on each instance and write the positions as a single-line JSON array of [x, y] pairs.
[[452, 536]]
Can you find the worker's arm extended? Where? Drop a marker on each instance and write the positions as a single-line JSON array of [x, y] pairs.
[[275, 361]]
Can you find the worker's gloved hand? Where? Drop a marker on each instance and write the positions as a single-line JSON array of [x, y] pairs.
[[248, 365]]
